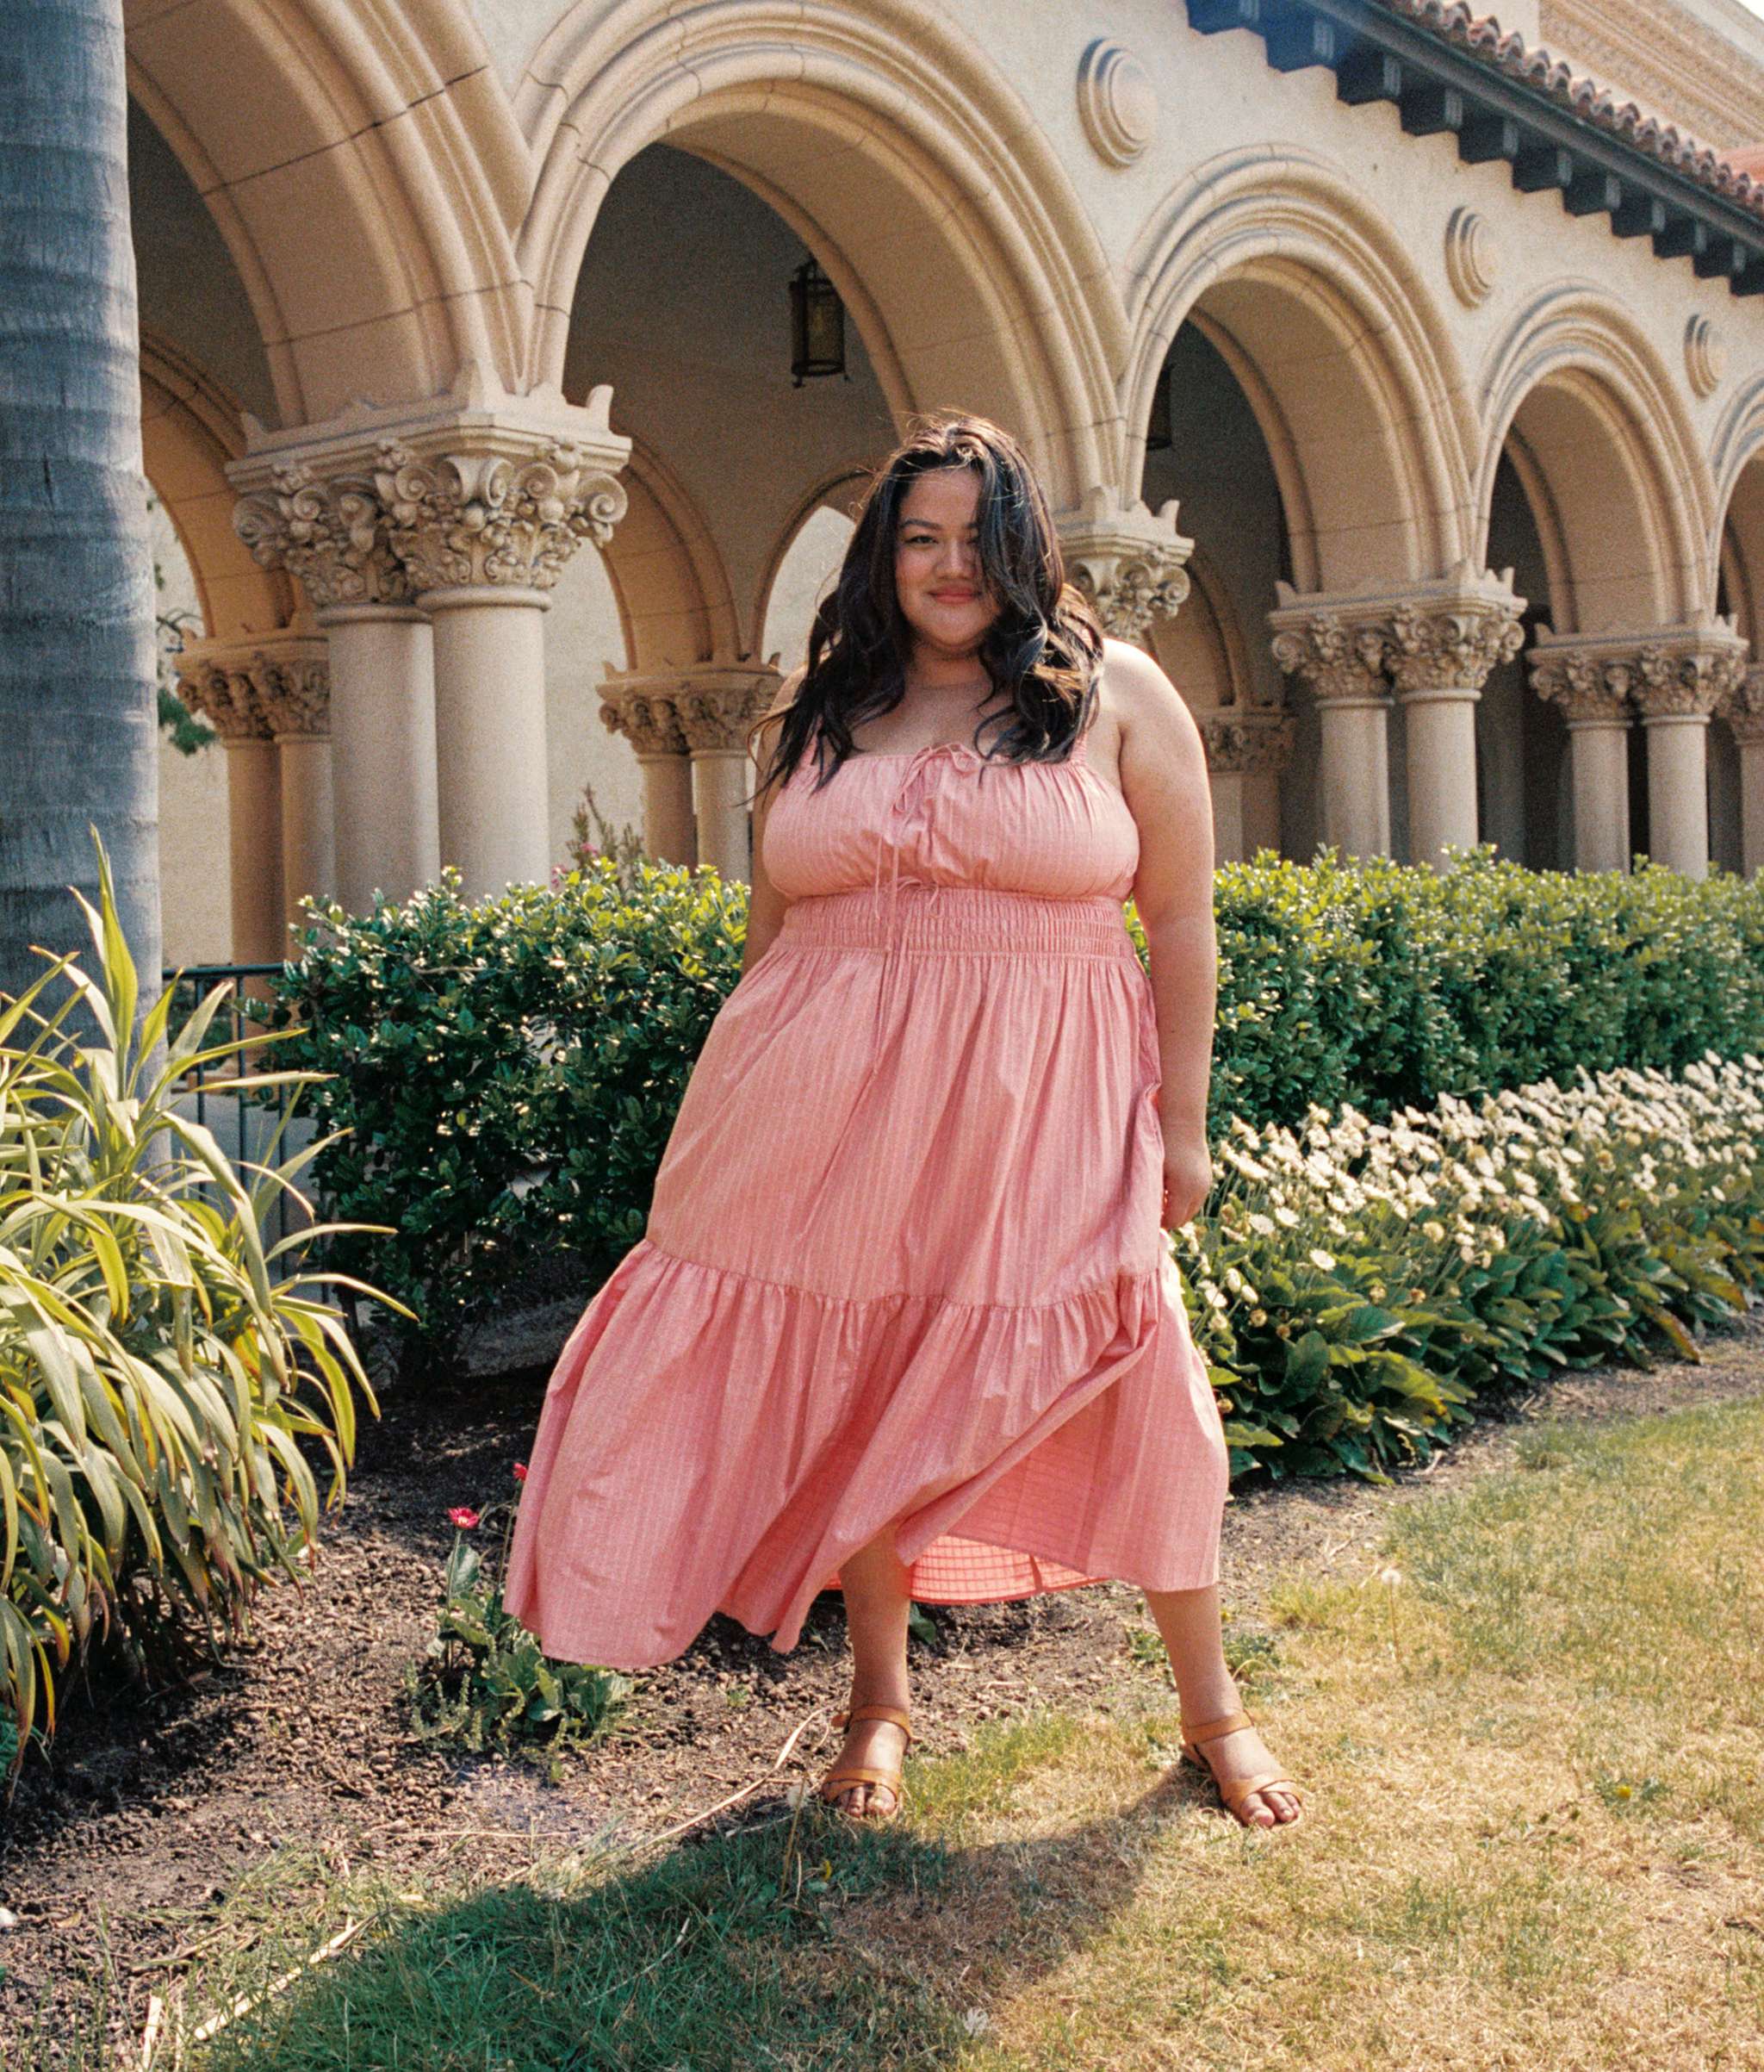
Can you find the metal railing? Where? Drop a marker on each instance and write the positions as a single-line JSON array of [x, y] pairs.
[[244, 1127]]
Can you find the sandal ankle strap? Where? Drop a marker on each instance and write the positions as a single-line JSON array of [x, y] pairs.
[[896, 1714], [1216, 1730]]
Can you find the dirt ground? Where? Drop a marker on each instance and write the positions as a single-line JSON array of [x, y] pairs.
[[151, 1806]]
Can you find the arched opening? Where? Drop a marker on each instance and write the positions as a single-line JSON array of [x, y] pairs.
[[1592, 493], [385, 126], [904, 165], [807, 566], [1525, 804]]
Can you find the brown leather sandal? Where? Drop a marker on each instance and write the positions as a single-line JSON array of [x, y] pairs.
[[890, 1780], [1239, 1789]]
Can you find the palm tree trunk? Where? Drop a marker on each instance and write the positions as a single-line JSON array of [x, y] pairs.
[[78, 740]]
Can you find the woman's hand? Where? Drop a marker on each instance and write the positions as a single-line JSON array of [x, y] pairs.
[[1187, 1178]]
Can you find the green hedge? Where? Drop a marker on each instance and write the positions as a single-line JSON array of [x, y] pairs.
[[509, 1071]]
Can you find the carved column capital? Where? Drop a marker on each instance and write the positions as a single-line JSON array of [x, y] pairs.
[[293, 683], [1690, 673], [218, 690], [1128, 561], [1453, 643], [1664, 674], [328, 532], [1743, 709], [1338, 662], [1426, 638], [1241, 745], [476, 488], [707, 705], [1589, 689], [486, 512], [276, 688]]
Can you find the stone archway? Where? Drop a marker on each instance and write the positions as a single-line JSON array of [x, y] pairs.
[[1739, 474], [190, 428], [387, 125], [1331, 335], [1576, 399], [1612, 470], [907, 166]]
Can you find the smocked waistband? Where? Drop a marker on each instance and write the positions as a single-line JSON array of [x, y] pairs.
[[934, 919]]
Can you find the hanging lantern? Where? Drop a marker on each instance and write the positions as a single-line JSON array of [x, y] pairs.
[[1157, 433], [817, 325]]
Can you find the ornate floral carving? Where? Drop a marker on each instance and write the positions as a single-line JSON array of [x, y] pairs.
[[1246, 746], [647, 719], [488, 518], [1670, 673], [1589, 689], [293, 694], [1127, 562], [1743, 710], [1451, 645], [708, 705], [329, 533], [1333, 659], [222, 694], [1686, 683]]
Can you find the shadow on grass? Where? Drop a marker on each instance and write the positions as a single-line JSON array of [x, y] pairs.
[[776, 1946]]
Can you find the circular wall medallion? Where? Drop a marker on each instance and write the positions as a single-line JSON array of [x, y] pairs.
[[1117, 103], [1705, 355], [1471, 261]]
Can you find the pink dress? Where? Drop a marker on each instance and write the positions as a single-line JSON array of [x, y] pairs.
[[903, 1262]]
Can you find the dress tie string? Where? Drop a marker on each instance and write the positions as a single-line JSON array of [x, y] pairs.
[[902, 797]]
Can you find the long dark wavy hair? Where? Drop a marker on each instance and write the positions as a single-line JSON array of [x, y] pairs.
[[1045, 647]]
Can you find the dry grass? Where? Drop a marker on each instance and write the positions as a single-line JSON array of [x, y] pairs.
[[1533, 1767], [1530, 1733]]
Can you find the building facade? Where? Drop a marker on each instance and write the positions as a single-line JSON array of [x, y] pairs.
[[1397, 374]]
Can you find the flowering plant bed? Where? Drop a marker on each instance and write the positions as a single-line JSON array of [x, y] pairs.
[[1356, 1286]]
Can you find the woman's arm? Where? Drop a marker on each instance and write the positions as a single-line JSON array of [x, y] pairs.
[[1164, 780], [765, 904]]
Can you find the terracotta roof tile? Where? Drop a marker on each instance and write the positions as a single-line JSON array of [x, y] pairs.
[[1737, 175]]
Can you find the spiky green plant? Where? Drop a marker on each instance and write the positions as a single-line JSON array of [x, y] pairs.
[[160, 1365]]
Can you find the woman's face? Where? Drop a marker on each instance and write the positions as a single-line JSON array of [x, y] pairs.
[[937, 575]]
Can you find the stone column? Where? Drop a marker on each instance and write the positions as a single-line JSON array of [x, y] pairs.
[[1591, 684], [1342, 666], [1682, 674], [642, 707], [466, 509], [716, 703], [291, 678], [1128, 561], [485, 512], [1245, 752], [1744, 714], [329, 530], [215, 681], [1440, 646]]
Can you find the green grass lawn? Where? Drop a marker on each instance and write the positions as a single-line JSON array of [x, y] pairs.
[[1530, 1742]]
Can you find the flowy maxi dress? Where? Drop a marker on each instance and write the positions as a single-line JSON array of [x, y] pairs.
[[904, 1263]]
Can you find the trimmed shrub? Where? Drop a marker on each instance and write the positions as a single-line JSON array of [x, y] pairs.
[[161, 1370], [508, 1071], [1356, 1286]]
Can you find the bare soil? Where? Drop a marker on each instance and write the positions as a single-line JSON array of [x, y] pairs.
[[152, 1805]]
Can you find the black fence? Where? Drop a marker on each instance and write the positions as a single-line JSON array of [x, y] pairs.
[[250, 1129]]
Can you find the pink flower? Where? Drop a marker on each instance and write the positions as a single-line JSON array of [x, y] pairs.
[[520, 1471], [464, 1517]]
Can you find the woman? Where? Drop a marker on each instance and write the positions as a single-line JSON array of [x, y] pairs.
[[903, 1320]]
